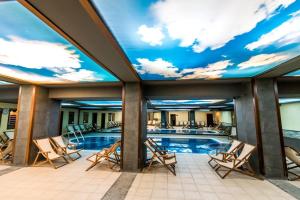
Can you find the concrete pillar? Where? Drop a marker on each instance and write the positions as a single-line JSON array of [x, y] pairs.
[[134, 130], [192, 118], [258, 123], [38, 117], [266, 95], [164, 119]]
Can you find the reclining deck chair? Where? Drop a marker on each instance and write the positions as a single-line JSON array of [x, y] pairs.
[[222, 156], [238, 164], [166, 159], [293, 161], [46, 150], [110, 154], [60, 146], [6, 150]]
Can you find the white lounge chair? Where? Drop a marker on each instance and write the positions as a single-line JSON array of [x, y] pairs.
[[238, 164], [64, 149], [293, 161], [222, 156], [110, 154], [46, 150], [166, 159]]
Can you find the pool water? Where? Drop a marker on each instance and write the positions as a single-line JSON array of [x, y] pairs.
[[177, 145]]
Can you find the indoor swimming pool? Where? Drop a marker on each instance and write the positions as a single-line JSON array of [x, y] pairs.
[[177, 145]]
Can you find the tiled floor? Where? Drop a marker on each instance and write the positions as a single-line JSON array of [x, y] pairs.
[[196, 180], [68, 182]]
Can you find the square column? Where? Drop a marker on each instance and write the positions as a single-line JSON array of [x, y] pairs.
[[258, 123], [192, 118], [134, 131], [38, 117], [163, 119]]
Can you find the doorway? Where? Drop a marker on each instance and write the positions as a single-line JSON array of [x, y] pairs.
[[94, 118], [209, 120], [61, 122], [173, 119], [103, 120]]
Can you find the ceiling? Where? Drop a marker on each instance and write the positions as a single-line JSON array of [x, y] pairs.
[[33, 52], [200, 39], [294, 74], [154, 40]]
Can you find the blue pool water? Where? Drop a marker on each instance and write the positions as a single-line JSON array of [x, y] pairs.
[[183, 131], [178, 145]]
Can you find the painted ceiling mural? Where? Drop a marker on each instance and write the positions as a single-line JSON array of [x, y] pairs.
[[31, 51], [185, 102], [201, 39], [294, 73]]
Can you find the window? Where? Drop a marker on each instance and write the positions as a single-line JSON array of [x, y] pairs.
[[85, 117], [71, 118], [111, 116], [12, 119]]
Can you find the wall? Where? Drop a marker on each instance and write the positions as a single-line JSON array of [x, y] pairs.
[[200, 116], [5, 114], [226, 116], [181, 116], [118, 116], [290, 116], [66, 117]]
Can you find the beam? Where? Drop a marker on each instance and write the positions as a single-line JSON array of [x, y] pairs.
[[109, 93], [84, 34], [289, 88], [9, 94], [282, 69], [193, 91]]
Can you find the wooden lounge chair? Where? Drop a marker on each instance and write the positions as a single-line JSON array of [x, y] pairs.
[[6, 151], [166, 159], [239, 164], [64, 149], [46, 150], [293, 161], [222, 156], [160, 148], [110, 154]]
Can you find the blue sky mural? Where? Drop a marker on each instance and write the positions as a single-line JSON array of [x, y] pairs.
[[101, 103], [294, 73], [289, 100], [32, 51], [5, 83], [201, 39], [186, 102]]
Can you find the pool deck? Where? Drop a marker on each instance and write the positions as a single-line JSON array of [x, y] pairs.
[[194, 180]]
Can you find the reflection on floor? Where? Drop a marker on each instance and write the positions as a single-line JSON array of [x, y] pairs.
[[196, 180], [68, 182]]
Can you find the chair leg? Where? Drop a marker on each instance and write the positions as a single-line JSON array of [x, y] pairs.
[[36, 158], [209, 162]]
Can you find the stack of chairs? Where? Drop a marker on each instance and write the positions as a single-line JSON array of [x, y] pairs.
[[6, 148], [113, 124]]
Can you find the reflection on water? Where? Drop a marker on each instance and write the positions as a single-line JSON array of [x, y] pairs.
[[178, 145]]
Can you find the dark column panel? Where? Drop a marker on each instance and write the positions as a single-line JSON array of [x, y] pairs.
[[258, 123], [163, 119], [247, 124], [192, 118], [271, 131], [37, 118], [134, 127]]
